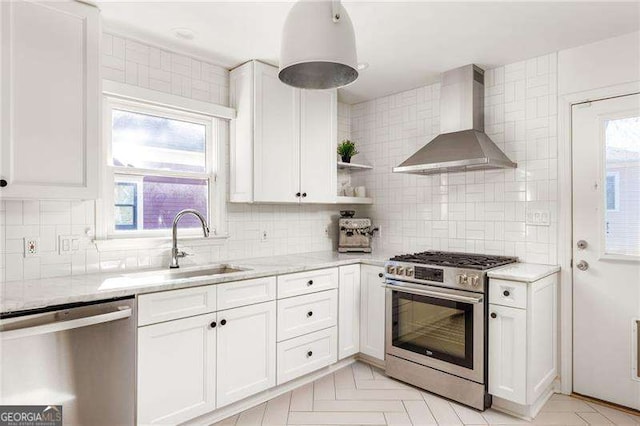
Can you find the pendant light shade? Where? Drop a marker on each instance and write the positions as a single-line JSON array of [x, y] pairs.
[[318, 49]]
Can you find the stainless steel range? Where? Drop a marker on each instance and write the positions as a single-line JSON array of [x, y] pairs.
[[436, 323]]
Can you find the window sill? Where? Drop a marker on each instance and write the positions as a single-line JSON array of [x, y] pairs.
[[141, 243]]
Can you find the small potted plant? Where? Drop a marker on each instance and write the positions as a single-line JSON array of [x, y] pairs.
[[346, 150]]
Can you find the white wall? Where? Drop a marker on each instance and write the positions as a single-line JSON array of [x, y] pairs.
[[290, 229], [481, 211]]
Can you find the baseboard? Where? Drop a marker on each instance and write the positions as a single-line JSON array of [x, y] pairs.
[[524, 412], [242, 405], [378, 363]]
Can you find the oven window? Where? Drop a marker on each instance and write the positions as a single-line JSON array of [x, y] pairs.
[[438, 328]]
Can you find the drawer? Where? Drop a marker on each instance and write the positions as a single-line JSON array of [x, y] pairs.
[[307, 282], [306, 314], [508, 293], [174, 304], [246, 292], [302, 355]]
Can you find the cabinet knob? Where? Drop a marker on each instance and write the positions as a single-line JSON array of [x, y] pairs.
[[381, 275], [223, 322], [3, 183], [310, 282], [506, 293], [309, 354], [310, 313], [297, 194], [494, 315], [213, 324], [304, 194]]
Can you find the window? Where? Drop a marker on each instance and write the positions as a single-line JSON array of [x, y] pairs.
[[612, 191], [160, 161]]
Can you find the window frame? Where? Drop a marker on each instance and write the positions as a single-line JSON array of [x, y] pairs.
[[177, 108]]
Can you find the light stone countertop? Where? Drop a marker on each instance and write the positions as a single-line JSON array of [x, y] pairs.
[[45, 292], [524, 272]]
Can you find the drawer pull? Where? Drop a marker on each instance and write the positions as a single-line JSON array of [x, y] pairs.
[[506, 293], [310, 314], [310, 282], [494, 315], [309, 354], [223, 322], [213, 324]]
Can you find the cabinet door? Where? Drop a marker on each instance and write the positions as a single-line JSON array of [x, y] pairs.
[[176, 370], [507, 353], [372, 311], [246, 351], [276, 153], [318, 139], [50, 100], [349, 311]]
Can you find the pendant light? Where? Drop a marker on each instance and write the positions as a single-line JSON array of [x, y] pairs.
[[318, 49]]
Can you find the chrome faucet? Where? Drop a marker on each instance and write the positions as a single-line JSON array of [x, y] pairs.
[[175, 254]]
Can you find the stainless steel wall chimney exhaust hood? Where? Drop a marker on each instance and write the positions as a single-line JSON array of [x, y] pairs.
[[462, 144]]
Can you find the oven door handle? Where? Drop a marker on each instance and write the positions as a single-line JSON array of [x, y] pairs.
[[440, 295]]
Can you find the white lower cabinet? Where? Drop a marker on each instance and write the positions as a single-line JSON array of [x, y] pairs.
[[372, 311], [176, 370], [522, 343], [246, 351], [304, 354], [349, 311]]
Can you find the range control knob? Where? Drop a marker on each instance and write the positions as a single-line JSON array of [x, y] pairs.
[[399, 270], [391, 270], [462, 279], [475, 280], [409, 272]]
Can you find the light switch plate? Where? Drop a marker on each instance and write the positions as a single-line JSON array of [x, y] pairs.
[[31, 247], [538, 217], [68, 244]]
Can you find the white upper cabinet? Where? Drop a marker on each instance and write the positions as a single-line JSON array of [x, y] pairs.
[[49, 111], [282, 140], [318, 135]]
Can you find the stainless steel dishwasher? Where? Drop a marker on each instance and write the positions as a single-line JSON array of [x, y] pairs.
[[80, 356]]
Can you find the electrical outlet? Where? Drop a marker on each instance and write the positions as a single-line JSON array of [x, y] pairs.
[[68, 244], [31, 247], [264, 236]]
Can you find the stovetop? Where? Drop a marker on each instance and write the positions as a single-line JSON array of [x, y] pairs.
[[458, 260]]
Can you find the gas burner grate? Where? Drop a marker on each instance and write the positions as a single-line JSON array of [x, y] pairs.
[[459, 260]]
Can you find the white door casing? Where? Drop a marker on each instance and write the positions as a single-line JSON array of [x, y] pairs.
[[372, 311], [349, 311], [606, 291]]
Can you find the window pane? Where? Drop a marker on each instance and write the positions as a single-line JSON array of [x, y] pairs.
[[152, 142], [622, 186], [159, 199]]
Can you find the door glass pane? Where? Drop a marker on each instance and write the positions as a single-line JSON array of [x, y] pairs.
[[622, 186], [440, 329], [151, 202], [152, 142]]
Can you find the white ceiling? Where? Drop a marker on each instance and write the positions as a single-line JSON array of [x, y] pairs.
[[407, 44]]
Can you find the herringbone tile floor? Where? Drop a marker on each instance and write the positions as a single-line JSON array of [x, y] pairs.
[[362, 395]]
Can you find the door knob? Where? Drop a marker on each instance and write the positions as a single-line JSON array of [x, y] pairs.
[[582, 265], [582, 244]]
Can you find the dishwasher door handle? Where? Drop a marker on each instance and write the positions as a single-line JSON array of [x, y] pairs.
[[120, 312]]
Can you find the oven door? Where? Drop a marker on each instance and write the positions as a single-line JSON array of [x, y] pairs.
[[436, 327]]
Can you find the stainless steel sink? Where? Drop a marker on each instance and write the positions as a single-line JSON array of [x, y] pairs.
[[183, 273]]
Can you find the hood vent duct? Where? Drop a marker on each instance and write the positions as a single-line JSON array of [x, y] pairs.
[[462, 144]]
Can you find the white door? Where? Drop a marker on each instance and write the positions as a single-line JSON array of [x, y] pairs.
[[276, 138], [372, 311], [176, 370], [606, 249], [246, 351], [349, 311], [50, 88], [318, 140], [508, 354]]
